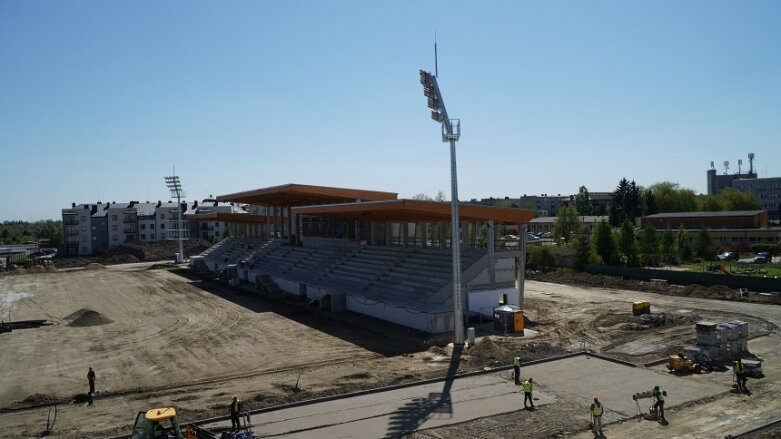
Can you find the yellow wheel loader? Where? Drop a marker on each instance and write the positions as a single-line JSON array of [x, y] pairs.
[[680, 364]]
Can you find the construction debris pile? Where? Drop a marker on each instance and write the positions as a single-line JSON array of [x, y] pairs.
[[719, 343]]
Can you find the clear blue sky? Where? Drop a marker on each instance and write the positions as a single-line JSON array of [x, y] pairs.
[[99, 100]]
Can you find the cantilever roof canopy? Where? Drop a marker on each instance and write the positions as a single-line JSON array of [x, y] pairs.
[[303, 195], [415, 210]]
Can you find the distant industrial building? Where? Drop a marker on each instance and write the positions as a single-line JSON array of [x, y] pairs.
[[767, 190]]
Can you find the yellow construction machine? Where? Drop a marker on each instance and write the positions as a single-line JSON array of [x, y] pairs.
[[680, 364], [161, 423], [158, 423]]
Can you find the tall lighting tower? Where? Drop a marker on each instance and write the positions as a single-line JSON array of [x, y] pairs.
[[451, 131], [175, 185]]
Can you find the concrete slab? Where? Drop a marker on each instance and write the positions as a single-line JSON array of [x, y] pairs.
[[431, 405]]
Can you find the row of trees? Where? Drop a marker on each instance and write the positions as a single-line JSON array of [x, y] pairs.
[[19, 232], [630, 200], [625, 246]]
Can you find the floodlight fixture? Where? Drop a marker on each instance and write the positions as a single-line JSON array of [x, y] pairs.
[[175, 186]]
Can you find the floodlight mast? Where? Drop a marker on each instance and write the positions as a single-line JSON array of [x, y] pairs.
[[451, 132], [175, 185]]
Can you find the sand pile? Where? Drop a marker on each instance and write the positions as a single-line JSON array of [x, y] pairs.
[[87, 317], [94, 266]]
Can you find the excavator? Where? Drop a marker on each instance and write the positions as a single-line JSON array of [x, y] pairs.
[[161, 423]]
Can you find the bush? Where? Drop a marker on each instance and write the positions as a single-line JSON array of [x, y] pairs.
[[540, 258], [757, 248]]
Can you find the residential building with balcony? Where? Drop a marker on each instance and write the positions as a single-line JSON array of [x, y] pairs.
[[92, 229]]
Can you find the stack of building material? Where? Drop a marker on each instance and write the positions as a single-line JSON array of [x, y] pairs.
[[719, 343], [708, 342], [729, 340], [742, 335]]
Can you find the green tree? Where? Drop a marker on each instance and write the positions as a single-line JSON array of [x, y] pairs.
[[709, 203], [627, 242], [567, 223], [704, 244], [604, 243], [682, 247], [583, 251], [737, 200], [649, 245], [617, 202], [505, 203], [583, 201], [626, 202], [540, 258], [422, 196], [4, 235], [649, 203], [671, 198], [668, 246]]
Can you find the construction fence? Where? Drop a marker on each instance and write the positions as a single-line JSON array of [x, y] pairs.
[[688, 277]]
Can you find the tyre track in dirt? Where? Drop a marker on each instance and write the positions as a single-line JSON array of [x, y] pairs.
[[212, 322]]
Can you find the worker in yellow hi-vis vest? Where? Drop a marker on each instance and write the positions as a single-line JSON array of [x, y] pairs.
[[596, 415], [528, 387]]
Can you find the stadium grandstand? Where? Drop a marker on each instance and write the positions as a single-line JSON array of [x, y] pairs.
[[366, 251]]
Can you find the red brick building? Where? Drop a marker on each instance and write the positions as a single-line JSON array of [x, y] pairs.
[[738, 219]]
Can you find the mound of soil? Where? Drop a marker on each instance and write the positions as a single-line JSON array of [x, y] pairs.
[[40, 269], [126, 258], [87, 317], [153, 251], [39, 398], [94, 266], [487, 350]]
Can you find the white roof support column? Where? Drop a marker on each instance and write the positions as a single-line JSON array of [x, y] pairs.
[[491, 253], [388, 233], [290, 231]]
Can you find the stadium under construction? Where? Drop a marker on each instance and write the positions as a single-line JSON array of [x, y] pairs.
[[368, 252]]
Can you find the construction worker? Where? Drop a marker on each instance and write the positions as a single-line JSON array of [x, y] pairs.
[[740, 373], [517, 369], [235, 409], [528, 386], [659, 405], [596, 415], [91, 381]]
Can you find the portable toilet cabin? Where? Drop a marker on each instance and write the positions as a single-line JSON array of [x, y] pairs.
[[508, 319]]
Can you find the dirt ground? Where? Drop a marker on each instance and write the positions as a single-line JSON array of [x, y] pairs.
[[156, 337]]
